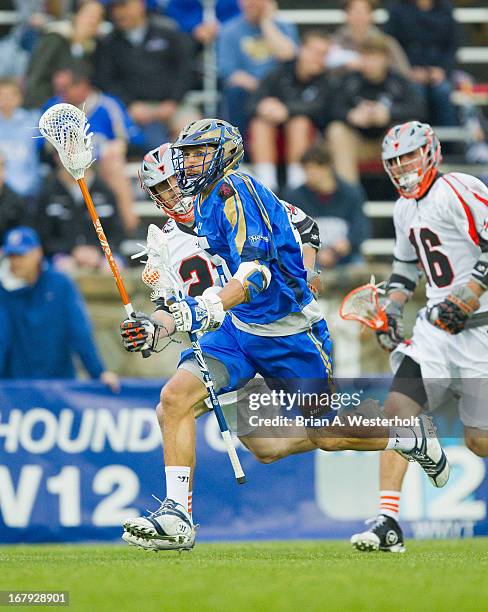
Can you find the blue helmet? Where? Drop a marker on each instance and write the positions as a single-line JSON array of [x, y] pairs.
[[224, 151]]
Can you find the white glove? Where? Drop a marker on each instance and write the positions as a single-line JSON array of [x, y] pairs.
[[198, 314]]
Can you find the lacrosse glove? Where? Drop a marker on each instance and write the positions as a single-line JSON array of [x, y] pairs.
[[138, 331], [390, 338], [452, 313]]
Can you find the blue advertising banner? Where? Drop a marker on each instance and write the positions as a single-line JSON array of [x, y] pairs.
[[76, 460]]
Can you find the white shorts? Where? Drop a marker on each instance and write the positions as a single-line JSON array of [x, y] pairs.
[[454, 368]]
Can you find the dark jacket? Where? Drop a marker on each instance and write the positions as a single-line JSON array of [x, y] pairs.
[[340, 210], [159, 69], [13, 210], [53, 53], [310, 98], [63, 221], [46, 325], [396, 92], [429, 38]]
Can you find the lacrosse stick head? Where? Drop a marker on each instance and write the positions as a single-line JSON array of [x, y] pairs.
[[65, 126], [362, 304], [158, 273]]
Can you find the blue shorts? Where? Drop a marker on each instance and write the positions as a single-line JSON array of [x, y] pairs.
[[302, 356]]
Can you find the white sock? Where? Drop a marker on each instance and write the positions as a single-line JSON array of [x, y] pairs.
[[178, 484], [267, 173], [295, 175], [390, 503], [401, 438]]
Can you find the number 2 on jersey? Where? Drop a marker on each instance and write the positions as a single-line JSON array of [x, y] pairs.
[[197, 270], [429, 250]]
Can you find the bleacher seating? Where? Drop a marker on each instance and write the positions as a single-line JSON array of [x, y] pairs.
[[469, 56]]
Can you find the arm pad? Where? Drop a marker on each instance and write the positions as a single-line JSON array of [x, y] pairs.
[[480, 271], [254, 277], [404, 277]]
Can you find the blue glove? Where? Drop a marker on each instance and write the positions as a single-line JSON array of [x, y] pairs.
[[198, 314]]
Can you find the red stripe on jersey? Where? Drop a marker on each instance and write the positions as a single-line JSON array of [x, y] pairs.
[[476, 195], [471, 224]]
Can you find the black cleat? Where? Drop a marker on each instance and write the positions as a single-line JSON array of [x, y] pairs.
[[384, 534]]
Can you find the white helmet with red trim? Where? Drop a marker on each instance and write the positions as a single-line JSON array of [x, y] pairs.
[[157, 176], [411, 155]]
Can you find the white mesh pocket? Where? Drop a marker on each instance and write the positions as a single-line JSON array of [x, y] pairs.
[[66, 128]]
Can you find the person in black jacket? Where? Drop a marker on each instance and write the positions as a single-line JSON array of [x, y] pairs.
[[336, 206], [147, 65], [427, 31], [65, 226], [292, 97], [365, 104], [12, 207]]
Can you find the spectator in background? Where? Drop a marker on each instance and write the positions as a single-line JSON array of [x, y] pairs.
[[293, 97], [12, 207], [248, 48], [337, 207], [365, 104], [189, 15], [17, 143], [13, 58], [45, 318], [65, 225], [358, 27], [427, 32], [112, 129], [146, 65], [64, 45]]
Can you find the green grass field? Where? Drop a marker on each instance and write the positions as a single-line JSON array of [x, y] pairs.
[[264, 577]]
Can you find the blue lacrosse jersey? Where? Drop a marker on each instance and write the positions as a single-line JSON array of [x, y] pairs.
[[240, 221]]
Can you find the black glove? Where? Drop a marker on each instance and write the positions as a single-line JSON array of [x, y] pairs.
[[395, 334], [138, 331], [452, 313]]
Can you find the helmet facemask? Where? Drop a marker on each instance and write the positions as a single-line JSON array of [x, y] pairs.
[[158, 179], [413, 171], [194, 177], [220, 150], [168, 198]]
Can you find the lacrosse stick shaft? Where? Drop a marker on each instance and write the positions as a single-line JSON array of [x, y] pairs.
[[108, 253], [224, 429], [178, 294]]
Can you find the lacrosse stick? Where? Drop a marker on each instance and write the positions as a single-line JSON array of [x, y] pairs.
[[66, 128], [160, 275], [362, 304]]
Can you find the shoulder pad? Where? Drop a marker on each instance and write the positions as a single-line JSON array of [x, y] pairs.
[[226, 191], [169, 226]]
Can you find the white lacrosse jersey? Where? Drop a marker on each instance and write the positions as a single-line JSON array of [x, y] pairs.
[[444, 232], [192, 264]]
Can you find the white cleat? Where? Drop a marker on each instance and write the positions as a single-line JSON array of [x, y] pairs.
[[428, 453], [152, 545], [168, 528]]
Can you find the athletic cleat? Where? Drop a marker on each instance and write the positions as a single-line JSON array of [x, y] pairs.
[[168, 528], [428, 453], [152, 545], [385, 534]]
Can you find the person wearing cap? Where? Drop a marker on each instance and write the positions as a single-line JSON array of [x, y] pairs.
[[367, 102], [45, 319]]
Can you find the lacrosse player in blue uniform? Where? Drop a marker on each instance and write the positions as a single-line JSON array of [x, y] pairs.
[[274, 326]]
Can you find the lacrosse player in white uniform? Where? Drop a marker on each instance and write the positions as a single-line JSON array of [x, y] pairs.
[[441, 226], [198, 273]]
